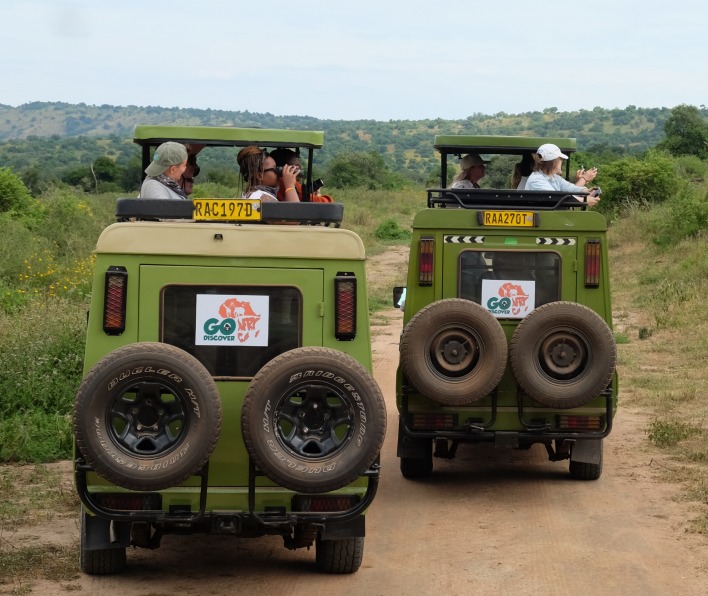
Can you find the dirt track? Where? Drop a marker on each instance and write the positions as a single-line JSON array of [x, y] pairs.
[[489, 522]]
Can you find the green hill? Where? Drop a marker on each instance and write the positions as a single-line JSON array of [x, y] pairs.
[[58, 136]]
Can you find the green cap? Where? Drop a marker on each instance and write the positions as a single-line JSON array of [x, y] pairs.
[[166, 155]]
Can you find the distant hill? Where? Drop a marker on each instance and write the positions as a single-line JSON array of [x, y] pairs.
[[59, 135]]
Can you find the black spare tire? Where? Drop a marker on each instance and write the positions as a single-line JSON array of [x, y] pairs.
[[313, 419], [563, 354], [454, 352], [147, 416]]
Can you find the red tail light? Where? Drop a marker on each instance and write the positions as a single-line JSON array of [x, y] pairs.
[[426, 253], [345, 306], [129, 501], [324, 503], [592, 263], [581, 423], [114, 300]]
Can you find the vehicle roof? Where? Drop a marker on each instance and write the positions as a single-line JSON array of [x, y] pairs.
[[227, 136], [498, 144]]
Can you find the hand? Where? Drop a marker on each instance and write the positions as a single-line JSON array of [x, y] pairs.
[[590, 174], [290, 175]]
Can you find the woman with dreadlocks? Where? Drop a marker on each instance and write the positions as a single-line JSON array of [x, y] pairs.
[[261, 177]]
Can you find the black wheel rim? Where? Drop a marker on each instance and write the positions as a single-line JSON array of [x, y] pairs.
[[314, 420], [148, 419]]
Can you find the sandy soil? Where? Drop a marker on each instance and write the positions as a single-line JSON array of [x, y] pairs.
[[489, 522]]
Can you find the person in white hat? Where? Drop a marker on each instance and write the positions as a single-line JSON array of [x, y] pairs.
[[547, 174], [473, 170], [164, 173]]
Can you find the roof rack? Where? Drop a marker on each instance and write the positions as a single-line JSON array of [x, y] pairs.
[[328, 214], [485, 198]]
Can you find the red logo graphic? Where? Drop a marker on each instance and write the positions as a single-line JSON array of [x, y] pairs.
[[241, 312], [517, 296]]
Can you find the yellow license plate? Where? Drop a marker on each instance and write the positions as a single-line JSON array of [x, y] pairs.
[[227, 209], [509, 219]]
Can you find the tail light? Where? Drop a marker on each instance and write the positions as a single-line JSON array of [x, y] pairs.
[[426, 252], [433, 421], [114, 300], [345, 306], [129, 501], [324, 503], [592, 263], [581, 423]]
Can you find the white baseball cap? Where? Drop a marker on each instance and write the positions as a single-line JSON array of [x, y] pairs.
[[549, 152]]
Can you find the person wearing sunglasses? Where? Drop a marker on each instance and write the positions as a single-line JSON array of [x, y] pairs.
[[192, 169], [260, 175]]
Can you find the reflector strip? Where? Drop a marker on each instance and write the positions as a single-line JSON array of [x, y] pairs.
[[345, 306], [592, 263], [323, 503], [426, 252], [115, 300]]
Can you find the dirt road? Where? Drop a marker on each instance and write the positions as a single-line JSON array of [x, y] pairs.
[[489, 522]]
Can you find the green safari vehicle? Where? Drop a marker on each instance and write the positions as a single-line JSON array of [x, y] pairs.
[[507, 333], [227, 376]]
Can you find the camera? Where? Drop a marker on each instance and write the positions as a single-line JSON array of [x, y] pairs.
[[596, 192], [279, 170], [317, 184]]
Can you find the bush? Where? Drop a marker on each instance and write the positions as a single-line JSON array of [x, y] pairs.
[[634, 181], [14, 196], [390, 230], [685, 216]]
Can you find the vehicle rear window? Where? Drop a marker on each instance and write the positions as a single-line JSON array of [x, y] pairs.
[[541, 268], [232, 330]]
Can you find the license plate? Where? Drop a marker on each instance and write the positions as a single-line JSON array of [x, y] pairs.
[[227, 209], [509, 219]]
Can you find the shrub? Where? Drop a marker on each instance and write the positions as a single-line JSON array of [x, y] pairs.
[[685, 216], [390, 230], [634, 181], [14, 196]]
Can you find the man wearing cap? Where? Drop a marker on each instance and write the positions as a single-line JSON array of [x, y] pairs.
[[165, 173], [547, 175], [473, 170]]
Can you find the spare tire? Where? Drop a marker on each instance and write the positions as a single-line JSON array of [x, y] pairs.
[[313, 420], [563, 355], [147, 416], [454, 352]]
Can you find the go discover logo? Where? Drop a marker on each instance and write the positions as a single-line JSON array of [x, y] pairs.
[[508, 298], [235, 319]]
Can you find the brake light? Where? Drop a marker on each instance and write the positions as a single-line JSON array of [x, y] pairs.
[[581, 423], [426, 252], [324, 503], [345, 306], [114, 300], [592, 263], [433, 421], [129, 501]]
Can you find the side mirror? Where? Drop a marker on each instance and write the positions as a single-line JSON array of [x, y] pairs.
[[399, 297]]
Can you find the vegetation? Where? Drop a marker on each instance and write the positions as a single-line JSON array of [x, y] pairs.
[[657, 202], [45, 142]]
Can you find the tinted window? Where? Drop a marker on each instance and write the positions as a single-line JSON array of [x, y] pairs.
[[543, 268], [238, 348]]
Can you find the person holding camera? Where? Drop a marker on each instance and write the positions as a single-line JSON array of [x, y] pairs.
[[260, 174], [287, 157], [547, 174]]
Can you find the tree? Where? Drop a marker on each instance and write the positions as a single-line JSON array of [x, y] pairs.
[[686, 132], [362, 170], [14, 196]]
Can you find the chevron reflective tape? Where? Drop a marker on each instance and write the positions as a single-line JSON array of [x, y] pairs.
[[556, 241], [464, 239]]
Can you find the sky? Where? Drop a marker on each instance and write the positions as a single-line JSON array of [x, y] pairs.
[[380, 60]]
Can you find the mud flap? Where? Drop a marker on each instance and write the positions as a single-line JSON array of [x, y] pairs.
[[103, 534], [588, 451], [338, 530]]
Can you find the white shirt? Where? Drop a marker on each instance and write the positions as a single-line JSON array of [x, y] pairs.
[[539, 181]]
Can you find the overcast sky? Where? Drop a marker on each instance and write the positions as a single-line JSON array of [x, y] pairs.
[[367, 59]]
